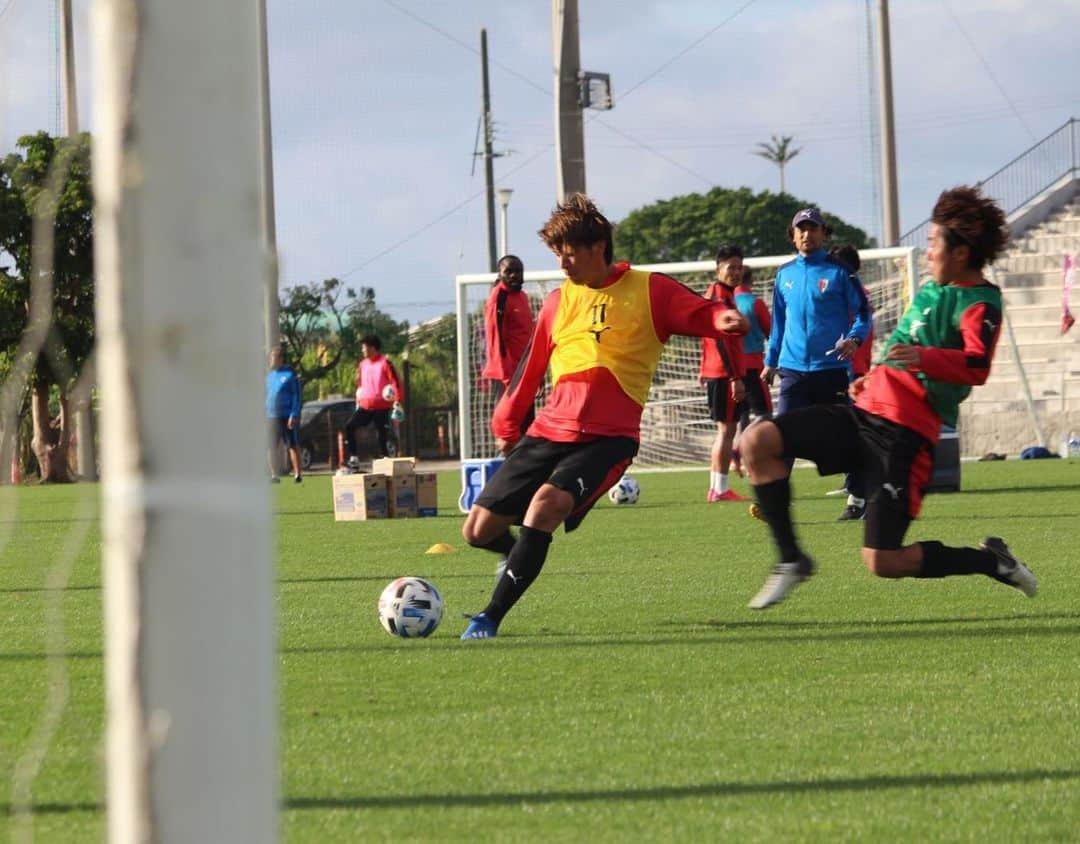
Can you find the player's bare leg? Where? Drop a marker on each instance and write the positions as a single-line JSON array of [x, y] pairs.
[[720, 457]]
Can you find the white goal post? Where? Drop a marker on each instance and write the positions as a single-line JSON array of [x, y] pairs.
[[675, 427]]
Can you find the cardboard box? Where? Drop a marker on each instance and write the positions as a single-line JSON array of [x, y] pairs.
[[360, 497], [402, 496], [394, 466], [427, 494]]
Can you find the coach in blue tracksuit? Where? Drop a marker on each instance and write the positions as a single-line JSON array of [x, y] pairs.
[[820, 317], [283, 412]]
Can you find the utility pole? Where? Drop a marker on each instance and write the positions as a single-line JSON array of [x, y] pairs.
[[71, 102], [85, 453], [569, 126], [889, 197], [489, 156], [270, 306]]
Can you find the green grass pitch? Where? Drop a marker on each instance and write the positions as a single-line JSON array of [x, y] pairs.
[[631, 696]]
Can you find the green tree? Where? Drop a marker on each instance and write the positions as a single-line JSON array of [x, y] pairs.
[[321, 325], [46, 196], [311, 318], [364, 317], [690, 227], [779, 152], [433, 363]]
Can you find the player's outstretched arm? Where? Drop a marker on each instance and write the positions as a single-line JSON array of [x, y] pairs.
[[677, 309]]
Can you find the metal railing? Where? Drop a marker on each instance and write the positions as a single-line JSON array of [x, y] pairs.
[[1026, 176]]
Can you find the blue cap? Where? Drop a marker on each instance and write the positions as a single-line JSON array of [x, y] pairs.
[[808, 215]]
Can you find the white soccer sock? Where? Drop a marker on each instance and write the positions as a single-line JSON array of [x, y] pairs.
[[714, 481], [723, 483], [856, 502]]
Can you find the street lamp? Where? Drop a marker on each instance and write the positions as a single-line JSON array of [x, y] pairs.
[[504, 201]]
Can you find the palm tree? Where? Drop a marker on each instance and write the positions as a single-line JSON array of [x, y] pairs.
[[779, 152]]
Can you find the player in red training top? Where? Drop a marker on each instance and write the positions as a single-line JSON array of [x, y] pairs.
[[721, 371], [601, 333], [374, 374], [942, 346], [508, 323]]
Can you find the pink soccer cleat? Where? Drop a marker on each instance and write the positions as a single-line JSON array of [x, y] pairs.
[[730, 495]]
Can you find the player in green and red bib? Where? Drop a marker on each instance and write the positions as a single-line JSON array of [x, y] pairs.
[[942, 346]]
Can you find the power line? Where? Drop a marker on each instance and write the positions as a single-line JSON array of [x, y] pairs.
[[688, 48], [413, 235], [989, 70], [7, 6]]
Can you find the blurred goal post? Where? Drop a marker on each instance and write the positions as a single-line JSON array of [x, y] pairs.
[[675, 427]]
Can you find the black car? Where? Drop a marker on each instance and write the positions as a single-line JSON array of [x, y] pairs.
[[320, 422]]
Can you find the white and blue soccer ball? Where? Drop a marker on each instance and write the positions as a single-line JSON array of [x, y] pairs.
[[626, 491], [410, 607], [389, 393]]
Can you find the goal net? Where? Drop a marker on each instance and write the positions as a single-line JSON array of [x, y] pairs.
[[675, 425]]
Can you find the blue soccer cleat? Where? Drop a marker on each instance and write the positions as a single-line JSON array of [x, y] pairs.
[[480, 627]]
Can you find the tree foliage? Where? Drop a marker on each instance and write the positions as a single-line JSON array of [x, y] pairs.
[[779, 152], [433, 363], [690, 227], [48, 182], [321, 325]]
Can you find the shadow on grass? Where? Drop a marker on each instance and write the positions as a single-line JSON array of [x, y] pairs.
[[718, 789], [675, 792], [877, 622], [706, 633], [15, 590]]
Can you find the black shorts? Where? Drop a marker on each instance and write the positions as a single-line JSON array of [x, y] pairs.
[[893, 461], [722, 408], [585, 470], [758, 401], [803, 389], [280, 432]]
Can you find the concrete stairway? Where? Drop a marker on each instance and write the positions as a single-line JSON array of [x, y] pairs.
[[996, 416]]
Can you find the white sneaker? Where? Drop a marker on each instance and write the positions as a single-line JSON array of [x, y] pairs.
[[1009, 569], [784, 578]]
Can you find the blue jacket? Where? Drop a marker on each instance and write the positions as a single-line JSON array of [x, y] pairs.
[[815, 303], [282, 394]]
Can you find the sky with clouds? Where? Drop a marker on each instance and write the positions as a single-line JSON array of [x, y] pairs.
[[375, 107]]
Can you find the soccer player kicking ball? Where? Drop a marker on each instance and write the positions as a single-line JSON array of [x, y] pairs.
[[942, 346], [601, 333]]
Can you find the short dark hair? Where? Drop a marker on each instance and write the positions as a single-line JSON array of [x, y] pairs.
[[371, 340], [726, 251], [848, 255], [510, 258], [578, 222], [972, 220]]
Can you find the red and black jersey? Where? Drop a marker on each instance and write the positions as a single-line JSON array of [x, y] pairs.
[[722, 357], [603, 345]]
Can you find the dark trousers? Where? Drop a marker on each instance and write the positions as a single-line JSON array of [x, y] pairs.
[[360, 418]]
